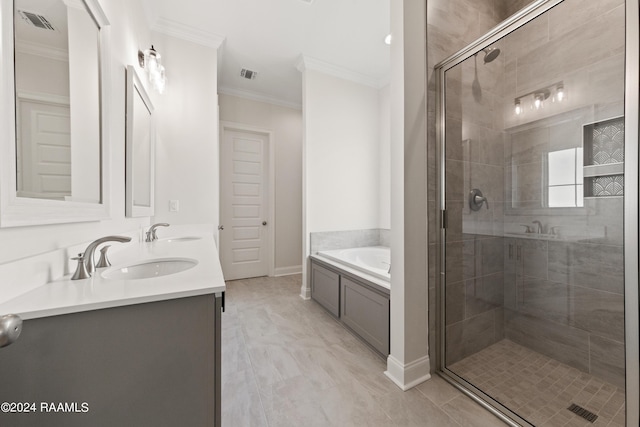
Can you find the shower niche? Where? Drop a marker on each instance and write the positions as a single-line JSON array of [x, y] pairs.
[[604, 158]]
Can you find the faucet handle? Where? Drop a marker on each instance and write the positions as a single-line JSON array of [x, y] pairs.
[[81, 270], [103, 261]]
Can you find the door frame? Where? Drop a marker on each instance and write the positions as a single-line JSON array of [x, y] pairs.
[[270, 194]]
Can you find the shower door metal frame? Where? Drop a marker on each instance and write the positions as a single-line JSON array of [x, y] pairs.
[[631, 200]]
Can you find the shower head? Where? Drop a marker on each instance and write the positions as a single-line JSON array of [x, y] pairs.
[[490, 53]]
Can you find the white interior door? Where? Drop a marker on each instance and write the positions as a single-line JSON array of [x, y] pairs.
[[244, 237], [44, 150]]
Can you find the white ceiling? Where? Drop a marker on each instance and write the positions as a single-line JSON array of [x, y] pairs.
[[270, 36]]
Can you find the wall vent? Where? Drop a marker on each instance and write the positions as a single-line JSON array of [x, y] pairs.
[[248, 74], [36, 20]]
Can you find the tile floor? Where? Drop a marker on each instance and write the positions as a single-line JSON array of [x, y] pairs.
[[539, 388], [287, 362]]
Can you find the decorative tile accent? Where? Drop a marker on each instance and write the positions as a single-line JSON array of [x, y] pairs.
[[603, 186], [604, 142]]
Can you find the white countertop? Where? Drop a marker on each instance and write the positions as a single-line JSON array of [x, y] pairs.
[[64, 296]]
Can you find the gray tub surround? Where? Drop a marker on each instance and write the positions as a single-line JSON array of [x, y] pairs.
[[357, 300], [137, 351], [329, 240]]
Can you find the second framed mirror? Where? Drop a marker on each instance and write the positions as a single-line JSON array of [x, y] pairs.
[[140, 149]]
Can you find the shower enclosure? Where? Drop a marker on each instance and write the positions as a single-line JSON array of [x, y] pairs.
[[538, 186]]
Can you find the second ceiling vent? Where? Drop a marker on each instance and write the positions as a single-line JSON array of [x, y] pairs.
[[248, 74]]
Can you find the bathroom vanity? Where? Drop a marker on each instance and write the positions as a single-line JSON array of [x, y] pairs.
[[141, 351], [359, 303]]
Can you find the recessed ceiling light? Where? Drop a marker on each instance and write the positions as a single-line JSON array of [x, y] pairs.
[[387, 39]]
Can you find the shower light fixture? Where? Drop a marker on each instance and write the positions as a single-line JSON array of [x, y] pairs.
[[150, 60]]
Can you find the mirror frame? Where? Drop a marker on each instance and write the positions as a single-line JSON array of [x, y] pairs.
[[21, 211], [134, 84]]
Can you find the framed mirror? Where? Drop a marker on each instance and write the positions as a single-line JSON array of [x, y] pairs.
[[140, 150], [54, 118]]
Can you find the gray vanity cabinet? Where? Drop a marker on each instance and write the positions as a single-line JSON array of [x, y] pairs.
[[325, 288], [362, 307], [152, 364]]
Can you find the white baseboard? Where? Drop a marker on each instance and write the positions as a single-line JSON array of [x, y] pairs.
[[287, 271], [305, 292], [409, 375]]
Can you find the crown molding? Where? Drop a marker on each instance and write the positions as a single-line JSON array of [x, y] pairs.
[[188, 33], [306, 63], [44, 51], [259, 97]]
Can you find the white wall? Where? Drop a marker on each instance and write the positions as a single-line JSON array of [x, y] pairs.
[[342, 153], [384, 168], [408, 364], [128, 33], [342, 169], [286, 127], [187, 134], [187, 137]]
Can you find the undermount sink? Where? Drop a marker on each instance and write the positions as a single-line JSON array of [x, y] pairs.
[[180, 239], [150, 268]]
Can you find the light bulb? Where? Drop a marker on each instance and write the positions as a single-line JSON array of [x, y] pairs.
[[537, 103], [518, 109], [560, 95]]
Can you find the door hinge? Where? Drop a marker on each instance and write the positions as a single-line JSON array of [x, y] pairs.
[[443, 219]]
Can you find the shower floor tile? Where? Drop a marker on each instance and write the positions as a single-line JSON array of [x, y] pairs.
[[539, 388]]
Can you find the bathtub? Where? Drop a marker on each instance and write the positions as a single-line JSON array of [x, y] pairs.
[[372, 260]]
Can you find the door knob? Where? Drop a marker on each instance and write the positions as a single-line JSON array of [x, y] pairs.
[[10, 329], [264, 222], [221, 227]]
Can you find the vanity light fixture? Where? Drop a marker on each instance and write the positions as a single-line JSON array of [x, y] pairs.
[[536, 99], [150, 61]]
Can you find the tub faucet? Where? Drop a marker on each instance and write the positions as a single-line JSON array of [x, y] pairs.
[[151, 234], [539, 229], [89, 262]]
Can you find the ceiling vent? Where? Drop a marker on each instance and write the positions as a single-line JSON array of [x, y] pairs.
[[36, 20], [248, 74]]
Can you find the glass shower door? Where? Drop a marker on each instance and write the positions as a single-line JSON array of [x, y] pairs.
[[532, 185]]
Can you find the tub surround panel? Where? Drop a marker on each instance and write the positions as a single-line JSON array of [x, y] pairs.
[[329, 240]]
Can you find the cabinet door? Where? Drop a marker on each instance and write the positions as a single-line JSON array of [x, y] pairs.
[[367, 313], [325, 288]]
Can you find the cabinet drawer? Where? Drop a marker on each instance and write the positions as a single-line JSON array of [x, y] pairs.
[[367, 313], [325, 288]]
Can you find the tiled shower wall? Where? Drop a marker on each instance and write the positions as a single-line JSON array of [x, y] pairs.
[[451, 25], [563, 298]]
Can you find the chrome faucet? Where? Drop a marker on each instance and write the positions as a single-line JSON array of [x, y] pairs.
[[89, 262], [151, 234], [539, 229]]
